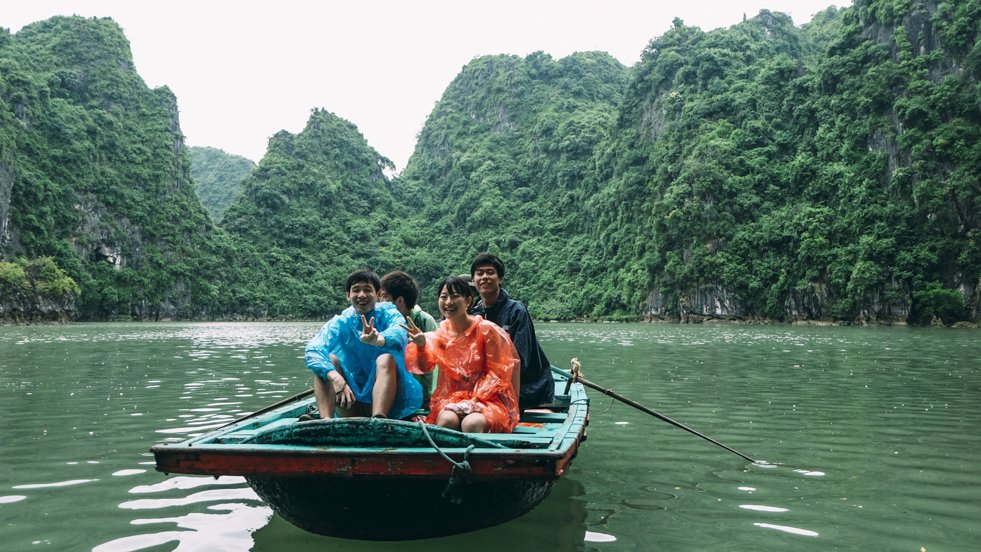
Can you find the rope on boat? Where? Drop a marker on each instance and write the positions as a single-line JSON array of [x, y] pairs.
[[460, 476]]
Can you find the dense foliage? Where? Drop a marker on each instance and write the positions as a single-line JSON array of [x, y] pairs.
[[317, 205], [785, 185], [93, 171], [504, 164], [765, 171], [217, 178], [36, 290]]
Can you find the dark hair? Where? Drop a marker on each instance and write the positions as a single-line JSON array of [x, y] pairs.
[[469, 280], [487, 259], [399, 284], [455, 284], [363, 275]]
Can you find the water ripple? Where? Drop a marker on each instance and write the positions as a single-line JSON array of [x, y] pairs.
[[787, 529], [56, 484], [230, 531], [872, 435], [245, 493]]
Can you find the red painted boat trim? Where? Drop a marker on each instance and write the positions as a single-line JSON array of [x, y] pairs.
[[201, 455], [210, 461]]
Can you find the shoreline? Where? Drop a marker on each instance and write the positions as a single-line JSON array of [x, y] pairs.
[[961, 324]]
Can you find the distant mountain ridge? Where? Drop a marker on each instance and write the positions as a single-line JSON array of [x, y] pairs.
[[94, 172], [218, 178], [764, 172], [317, 205], [827, 173]]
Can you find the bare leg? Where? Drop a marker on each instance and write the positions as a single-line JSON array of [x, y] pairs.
[[326, 399], [474, 423], [448, 419], [324, 393], [386, 384]]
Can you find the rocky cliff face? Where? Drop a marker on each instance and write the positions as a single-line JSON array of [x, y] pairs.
[[875, 215], [930, 39], [705, 304], [6, 187], [96, 175], [973, 300], [713, 303], [36, 310]]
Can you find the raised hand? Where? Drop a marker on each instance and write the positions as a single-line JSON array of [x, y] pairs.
[[415, 334], [369, 335]]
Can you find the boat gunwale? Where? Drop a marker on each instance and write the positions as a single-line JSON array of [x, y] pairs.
[[198, 455]]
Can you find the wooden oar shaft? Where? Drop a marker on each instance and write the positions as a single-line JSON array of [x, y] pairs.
[[294, 398], [650, 411]]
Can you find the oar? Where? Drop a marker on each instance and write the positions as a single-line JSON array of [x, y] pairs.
[[643, 408], [296, 397]]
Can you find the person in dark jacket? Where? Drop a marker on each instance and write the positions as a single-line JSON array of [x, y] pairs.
[[537, 384]]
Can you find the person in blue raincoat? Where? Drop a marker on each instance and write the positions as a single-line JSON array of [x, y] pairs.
[[358, 357]]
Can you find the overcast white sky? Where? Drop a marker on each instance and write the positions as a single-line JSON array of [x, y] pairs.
[[243, 71]]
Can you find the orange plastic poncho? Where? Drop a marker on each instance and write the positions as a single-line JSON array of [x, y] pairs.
[[476, 366]]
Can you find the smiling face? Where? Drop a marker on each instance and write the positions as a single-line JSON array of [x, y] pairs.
[[487, 280], [362, 296], [453, 305], [454, 299]]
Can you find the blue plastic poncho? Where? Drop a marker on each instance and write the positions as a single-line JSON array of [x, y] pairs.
[[341, 336]]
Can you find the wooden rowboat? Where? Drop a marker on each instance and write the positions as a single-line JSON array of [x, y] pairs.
[[375, 479]]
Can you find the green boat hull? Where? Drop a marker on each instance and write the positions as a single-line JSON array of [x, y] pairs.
[[377, 479], [397, 509]]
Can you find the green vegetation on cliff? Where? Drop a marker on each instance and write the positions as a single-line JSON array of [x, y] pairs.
[[764, 171], [93, 171], [36, 290], [317, 205], [504, 163], [838, 186], [217, 178]]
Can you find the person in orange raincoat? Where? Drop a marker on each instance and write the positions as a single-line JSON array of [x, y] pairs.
[[475, 390]]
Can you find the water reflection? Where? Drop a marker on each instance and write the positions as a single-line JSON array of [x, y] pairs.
[[592, 536], [124, 473], [228, 529], [860, 400], [787, 529], [125, 383], [202, 496], [55, 484], [873, 434], [558, 523], [762, 508], [185, 502]]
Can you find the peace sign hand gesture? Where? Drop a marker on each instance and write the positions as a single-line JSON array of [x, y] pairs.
[[415, 334], [369, 335]]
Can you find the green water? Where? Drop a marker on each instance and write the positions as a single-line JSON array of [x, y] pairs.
[[872, 436]]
